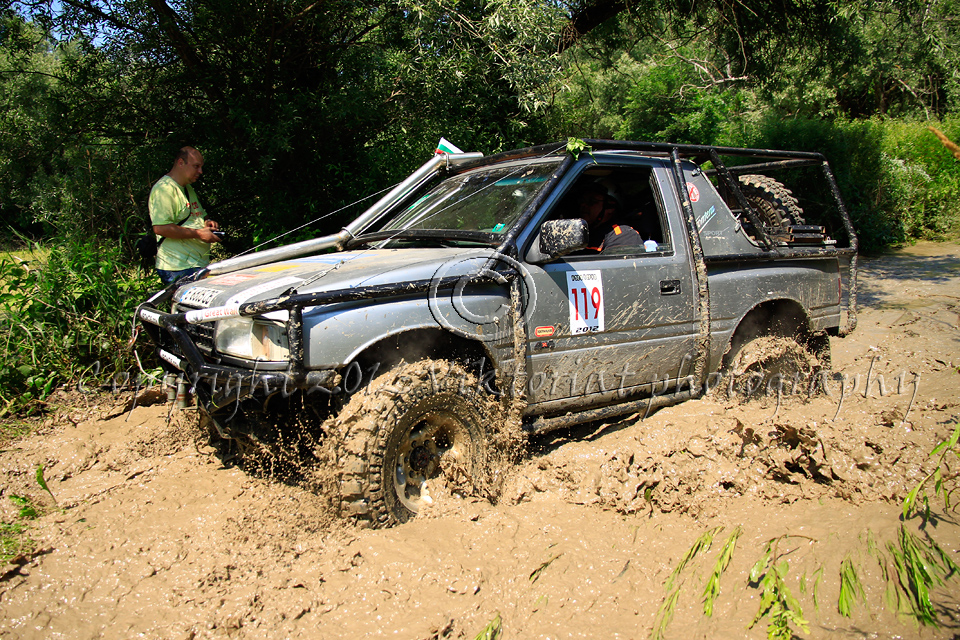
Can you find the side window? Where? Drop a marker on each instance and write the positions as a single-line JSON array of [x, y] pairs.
[[623, 208]]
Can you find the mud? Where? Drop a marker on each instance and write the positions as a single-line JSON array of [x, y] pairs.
[[154, 535]]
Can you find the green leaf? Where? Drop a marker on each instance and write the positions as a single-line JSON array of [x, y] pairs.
[[576, 146], [851, 589], [816, 588], [665, 613], [950, 443], [26, 508], [43, 483], [760, 566], [910, 499], [493, 629], [535, 575]]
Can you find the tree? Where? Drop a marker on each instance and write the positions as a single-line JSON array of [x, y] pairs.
[[301, 106]]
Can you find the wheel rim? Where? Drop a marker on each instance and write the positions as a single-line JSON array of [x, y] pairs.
[[419, 454]]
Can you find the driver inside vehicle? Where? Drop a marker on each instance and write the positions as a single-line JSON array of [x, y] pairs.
[[599, 204]]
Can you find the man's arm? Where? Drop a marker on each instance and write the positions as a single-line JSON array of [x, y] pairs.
[[176, 232]]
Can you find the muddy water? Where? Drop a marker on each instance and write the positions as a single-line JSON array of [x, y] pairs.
[[154, 537]]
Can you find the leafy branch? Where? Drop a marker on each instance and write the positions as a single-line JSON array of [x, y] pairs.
[[776, 600], [665, 613], [943, 450], [712, 588]]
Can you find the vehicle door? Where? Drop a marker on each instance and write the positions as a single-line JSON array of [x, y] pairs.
[[614, 323]]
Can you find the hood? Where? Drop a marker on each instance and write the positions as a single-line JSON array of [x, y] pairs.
[[329, 272]]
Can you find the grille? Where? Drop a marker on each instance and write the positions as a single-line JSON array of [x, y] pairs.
[[201, 334]]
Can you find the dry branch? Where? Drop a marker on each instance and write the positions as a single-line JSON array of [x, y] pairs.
[[952, 146]]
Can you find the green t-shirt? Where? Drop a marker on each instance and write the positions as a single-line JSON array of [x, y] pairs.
[[169, 205]]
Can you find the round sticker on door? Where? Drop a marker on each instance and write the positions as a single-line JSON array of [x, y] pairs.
[[693, 191]]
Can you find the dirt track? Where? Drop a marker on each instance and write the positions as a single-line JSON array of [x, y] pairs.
[[153, 537]]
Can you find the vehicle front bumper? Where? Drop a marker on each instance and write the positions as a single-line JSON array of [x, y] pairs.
[[216, 384]]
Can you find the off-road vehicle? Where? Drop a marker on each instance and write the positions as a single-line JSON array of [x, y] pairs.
[[466, 298]]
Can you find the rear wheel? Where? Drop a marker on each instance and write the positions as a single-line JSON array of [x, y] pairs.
[[415, 428], [771, 365]]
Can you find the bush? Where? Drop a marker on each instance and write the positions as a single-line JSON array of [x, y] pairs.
[[64, 317], [922, 177]]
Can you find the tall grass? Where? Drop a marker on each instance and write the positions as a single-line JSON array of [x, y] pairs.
[[64, 314]]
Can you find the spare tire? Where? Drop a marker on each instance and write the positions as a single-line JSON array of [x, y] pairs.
[[773, 202]]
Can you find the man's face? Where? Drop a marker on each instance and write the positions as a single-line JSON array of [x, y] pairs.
[[192, 167], [592, 207]]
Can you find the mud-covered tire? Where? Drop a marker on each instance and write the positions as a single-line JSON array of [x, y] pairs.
[[768, 364], [772, 200], [406, 429]]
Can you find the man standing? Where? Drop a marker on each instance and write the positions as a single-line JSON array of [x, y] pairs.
[[185, 235]]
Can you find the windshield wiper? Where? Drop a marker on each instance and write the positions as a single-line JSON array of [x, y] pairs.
[[442, 236]]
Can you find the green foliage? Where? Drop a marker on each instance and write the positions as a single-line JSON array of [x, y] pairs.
[[805, 76], [712, 588], [944, 449], [27, 510], [776, 600], [921, 179], [897, 180], [492, 631], [66, 317], [674, 583], [851, 590], [815, 594], [14, 541], [305, 107], [667, 104], [43, 483], [576, 146], [297, 110], [918, 566]]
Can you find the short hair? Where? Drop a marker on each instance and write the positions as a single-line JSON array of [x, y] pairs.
[[184, 154]]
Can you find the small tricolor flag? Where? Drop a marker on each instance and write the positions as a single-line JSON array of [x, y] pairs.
[[445, 146]]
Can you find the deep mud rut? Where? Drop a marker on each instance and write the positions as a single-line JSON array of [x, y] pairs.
[[152, 536]]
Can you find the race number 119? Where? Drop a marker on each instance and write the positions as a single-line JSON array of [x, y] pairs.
[[585, 300]]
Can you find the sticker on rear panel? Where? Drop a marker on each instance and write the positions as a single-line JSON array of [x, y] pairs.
[[585, 299]]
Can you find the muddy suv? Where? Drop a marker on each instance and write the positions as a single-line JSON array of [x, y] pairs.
[[467, 302]]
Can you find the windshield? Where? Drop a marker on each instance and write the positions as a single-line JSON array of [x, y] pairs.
[[486, 200]]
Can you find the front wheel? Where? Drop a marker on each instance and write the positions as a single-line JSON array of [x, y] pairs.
[[420, 424]]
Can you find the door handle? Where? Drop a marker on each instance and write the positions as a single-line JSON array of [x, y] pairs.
[[669, 287]]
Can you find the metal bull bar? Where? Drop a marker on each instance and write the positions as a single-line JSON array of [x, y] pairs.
[[192, 362]]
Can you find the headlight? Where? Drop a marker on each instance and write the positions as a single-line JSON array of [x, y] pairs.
[[252, 339]]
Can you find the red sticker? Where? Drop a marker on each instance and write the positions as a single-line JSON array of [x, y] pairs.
[[693, 191], [543, 332]]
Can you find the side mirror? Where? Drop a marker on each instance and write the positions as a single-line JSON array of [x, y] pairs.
[[560, 237]]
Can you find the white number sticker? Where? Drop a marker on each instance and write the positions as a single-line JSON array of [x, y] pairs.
[[585, 299]]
